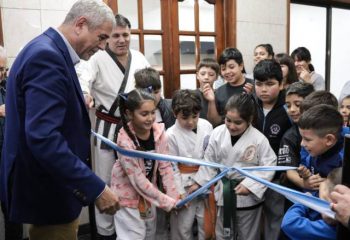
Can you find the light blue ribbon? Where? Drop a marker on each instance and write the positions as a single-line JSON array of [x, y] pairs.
[[202, 189], [312, 202]]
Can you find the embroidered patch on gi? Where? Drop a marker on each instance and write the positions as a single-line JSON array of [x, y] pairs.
[[249, 153], [275, 129]]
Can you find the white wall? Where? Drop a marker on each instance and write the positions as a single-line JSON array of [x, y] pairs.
[[22, 20], [308, 29], [340, 50], [260, 21]]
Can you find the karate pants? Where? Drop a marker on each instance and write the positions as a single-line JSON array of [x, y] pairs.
[[248, 224], [181, 222], [129, 225]]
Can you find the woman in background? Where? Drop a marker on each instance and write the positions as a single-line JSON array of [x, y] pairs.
[[305, 70], [288, 69]]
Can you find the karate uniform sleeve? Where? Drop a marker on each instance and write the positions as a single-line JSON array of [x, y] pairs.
[[174, 150], [205, 174], [296, 225], [166, 170]]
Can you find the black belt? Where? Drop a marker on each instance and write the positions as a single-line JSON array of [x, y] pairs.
[[108, 121]]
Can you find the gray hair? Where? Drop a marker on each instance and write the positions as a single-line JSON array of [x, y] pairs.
[[96, 12], [3, 53]]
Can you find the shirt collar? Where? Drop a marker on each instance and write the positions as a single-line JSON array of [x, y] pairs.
[[73, 55]]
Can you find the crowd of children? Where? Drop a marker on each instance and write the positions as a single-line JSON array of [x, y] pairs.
[[275, 119]]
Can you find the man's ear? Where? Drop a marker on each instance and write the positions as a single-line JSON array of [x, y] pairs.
[[80, 23], [331, 139]]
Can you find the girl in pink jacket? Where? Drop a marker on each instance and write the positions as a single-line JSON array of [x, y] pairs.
[[134, 179]]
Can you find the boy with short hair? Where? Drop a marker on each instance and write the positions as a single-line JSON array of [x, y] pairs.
[[207, 73], [321, 129], [301, 222], [319, 97], [313, 99], [149, 78], [189, 138], [232, 70], [273, 122], [289, 151]]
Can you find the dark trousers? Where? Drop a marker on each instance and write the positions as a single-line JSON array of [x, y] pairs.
[[13, 231]]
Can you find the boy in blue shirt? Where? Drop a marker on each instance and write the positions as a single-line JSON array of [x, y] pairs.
[[301, 222], [321, 129]]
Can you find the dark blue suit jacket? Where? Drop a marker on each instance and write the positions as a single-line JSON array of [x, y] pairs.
[[44, 176]]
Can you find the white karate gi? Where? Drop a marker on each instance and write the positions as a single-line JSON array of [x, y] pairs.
[[185, 143], [102, 78], [252, 149]]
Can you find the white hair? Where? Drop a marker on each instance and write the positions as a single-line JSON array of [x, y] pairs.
[[95, 11], [3, 53]]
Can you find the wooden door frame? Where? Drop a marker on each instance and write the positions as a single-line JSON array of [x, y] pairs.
[[224, 19]]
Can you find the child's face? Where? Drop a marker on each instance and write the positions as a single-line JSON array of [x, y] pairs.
[[232, 72], [143, 117], [260, 53], [293, 102], [157, 94], [345, 109], [315, 144], [206, 75], [234, 123], [268, 91], [187, 122]]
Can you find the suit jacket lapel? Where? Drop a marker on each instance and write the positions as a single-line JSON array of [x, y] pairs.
[[62, 46]]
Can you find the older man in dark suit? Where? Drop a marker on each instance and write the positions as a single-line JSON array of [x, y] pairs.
[[44, 177]]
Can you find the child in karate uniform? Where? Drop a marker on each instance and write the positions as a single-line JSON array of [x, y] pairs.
[[237, 143], [189, 138]]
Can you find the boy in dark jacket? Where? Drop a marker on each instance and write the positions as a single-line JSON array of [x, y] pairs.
[[273, 122], [289, 151]]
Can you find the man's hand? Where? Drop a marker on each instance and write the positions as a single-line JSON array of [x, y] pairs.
[[341, 203], [107, 202], [89, 101], [2, 110]]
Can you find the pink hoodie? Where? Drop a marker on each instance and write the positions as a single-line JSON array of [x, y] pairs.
[[129, 179]]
